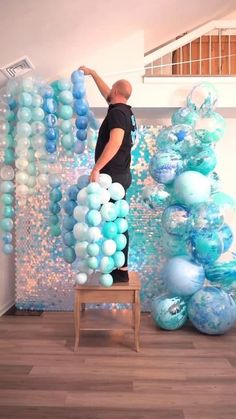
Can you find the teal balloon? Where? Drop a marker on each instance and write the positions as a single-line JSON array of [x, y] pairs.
[[8, 248], [203, 161], [206, 246], [69, 239], [119, 259], [9, 156], [183, 276], [164, 167], [121, 224], [106, 280], [55, 195], [227, 237], [185, 116], [212, 311], [122, 208], [223, 273], [69, 254], [93, 218], [214, 132], [67, 141], [93, 249], [121, 241], [6, 224], [94, 201], [92, 262], [169, 313], [55, 230], [191, 188], [206, 216], [107, 264], [66, 97], [7, 199], [109, 229], [53, 219], [65, 112], [10, 141], [8, 211], [175, 220], [109, 211], [6, 187], [54, 208]]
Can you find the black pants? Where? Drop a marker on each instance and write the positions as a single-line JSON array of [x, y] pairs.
[[125, 180]]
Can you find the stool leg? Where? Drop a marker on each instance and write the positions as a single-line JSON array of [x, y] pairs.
[[77, 319], [136, 319]]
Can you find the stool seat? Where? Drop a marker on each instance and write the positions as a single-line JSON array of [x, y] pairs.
[[122, 292]]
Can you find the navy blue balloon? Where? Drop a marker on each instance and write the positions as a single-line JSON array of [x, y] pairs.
[[77, 76], [51, 146], [51, 120], [69, 238], [78, 90], [69, 206], [68, 223], [54, 208], [81, 122], [73, 192], [83, 181], [7, 238], [52, 134], [49, 105], [81, 134]]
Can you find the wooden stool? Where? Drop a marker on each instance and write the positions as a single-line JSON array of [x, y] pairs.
[[127, 292]]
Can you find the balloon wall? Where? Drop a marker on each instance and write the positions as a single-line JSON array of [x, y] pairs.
[[194, 219]]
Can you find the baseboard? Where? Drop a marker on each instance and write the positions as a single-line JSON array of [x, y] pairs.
[[6, 306]]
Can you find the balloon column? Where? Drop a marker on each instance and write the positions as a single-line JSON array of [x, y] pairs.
[[94, 228], [195, 232]]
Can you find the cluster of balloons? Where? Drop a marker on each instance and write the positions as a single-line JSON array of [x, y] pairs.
[[195, 232], [94, 227], [81, 110], [54, 206], [7, 209], [51, 121]]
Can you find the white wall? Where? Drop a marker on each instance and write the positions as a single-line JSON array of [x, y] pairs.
[[7, 281]]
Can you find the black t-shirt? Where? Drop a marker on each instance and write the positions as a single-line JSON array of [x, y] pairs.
[[119, 115]]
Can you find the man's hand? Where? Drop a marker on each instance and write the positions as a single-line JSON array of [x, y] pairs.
[[94, 175], [87, 71]]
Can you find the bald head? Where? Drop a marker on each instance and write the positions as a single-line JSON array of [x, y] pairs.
[[120, 89]]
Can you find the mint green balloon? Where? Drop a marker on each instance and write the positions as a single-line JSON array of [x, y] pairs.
[[6, 186], [93, 249], [31, 155], [66, 126], [121, 224], [92, 262], [94, 201], [119, 259], [24, 114], [106, 280], [107, 264], [94, 218], [62, 84], [9, 156], [122, 208], [121, 241], [66, 97], [23, 129], [67, 141], [7, 199], [55, 230], [109, 212], [8, 211], [6, 224], [37, 114], [65, 112], [31, 169]]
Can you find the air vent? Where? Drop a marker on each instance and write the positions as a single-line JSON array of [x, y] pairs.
[[18, 68]]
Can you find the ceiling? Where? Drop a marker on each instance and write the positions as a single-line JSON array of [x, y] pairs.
[[52, 32]]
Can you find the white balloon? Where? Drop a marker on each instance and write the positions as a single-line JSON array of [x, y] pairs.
[[81, 278], [80, 213], [22, 152], [82, 266], [117, 191], [94, 234], [22, 190], [43, 179], [7, 173], [31, 182], [23, 142], [105, 180], [40, 153], [81, 249], [22, 178], [109, 247], [21, 163], [80, 231], [43, 167], [82, 196], [105, 196], [38, 142]]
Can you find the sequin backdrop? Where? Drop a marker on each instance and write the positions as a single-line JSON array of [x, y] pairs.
[[43, 279]]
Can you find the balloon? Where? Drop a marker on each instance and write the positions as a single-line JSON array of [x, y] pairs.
[[221, 272], [153, 197], [8, 249], [206, 246], [6, 198], [69, 254], [55, 230], [81, 134], [65, 97], [51, 120], [202, 98], [65, 126], [192, 188], [173, 246], [81, 249], [52, 134], [22, 190], [69, 239], [169, 313], [175, 220], [177, 139], [73, 192], [7, 238], [54, 208], [121, 241], [94, 234], [6, 224], [109, 229], [7, 173], [53, 219], [81, 278], [121, 225], [203, 161], [122, 208], [67, 141], [81, 122], [68, 223], [206, 216], [93, 249], [37, 127], [185, 116], [79, 213], [164, 167], [65, 112], [21, 164], [80, 231], [109, 247], [28, 84], [94, 201], [212, 311], [227, 237], [116, 191], [8, 211], [83, 181], [93, 218], [105, 196], [55, 195], [183, 277], [6, 186], [119, 259], [79, 147], [37, 114], [43, 179], [37, 100], [82, 197], [77, 76], [106, 280], [24, 114], [105, 180], [109, 211], [25, 99], [94, 188], [106, 264], [49, 105], [69, 207], [9, 156], [23, 129], [92, 262], [211, 128], [63, 84], [78, 90], [54, 181]]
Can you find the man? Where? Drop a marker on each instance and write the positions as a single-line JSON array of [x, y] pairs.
[[115, 139]]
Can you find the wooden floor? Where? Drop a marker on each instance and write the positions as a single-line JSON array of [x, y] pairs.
[[176, 375]]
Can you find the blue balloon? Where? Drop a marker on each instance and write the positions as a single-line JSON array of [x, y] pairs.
[[175, 220], [55, 195], [77, 76], [8, 249], [51, 120], [227, 237], [206, 246], [207, 216], [69, 239], [79, 147], [52, 134], [164, 167], [68, 223], [223, 273], [169, 313], [54, 208], [73, 192], [183, 276], [69, 254], [7, 238], [51, 146], [78, 90], [81, 134], [192, 188], [81, 122], [178, 139], [80, 107], [83, 181], [212, 311], [49, 105], [47, 92], [69, 206]]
